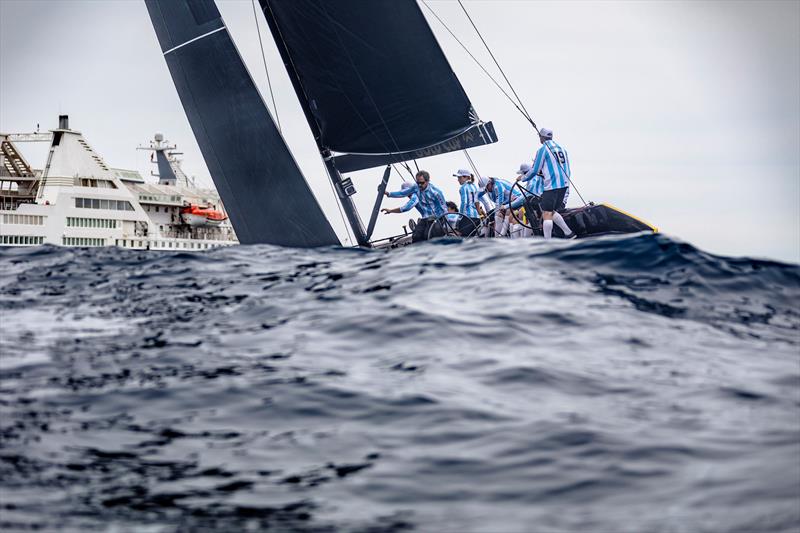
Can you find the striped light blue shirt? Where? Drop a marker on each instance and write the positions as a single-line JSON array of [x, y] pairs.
[[431, 202], [469, 195], [452, 218], [551, 167], [413, 201], [500, 192]]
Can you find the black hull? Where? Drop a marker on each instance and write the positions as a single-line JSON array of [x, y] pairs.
[[596, 220], [587, 221]]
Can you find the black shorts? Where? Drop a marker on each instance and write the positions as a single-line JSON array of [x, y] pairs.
[[427, 228], [468, 227], [553, 199]]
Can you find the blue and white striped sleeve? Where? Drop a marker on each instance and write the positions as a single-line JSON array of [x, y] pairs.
[[412, 201], [484, 201], [517, 201], [537, 164], [401, 193], [440, 197]]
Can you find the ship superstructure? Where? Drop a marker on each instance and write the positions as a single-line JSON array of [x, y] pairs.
[[77, 199]]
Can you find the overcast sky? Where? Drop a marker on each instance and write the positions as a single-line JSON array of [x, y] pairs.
[[686, 114]]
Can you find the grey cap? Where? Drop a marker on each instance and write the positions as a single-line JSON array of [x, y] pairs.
[[462, 172], [546, 133], [524, 168]]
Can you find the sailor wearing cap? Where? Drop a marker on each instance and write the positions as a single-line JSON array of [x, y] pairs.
[[413, 200], [431, 202], [501, 193], [551, 168], [468, 192]]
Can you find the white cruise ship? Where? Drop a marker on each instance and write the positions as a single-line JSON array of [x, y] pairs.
[[79, 200]]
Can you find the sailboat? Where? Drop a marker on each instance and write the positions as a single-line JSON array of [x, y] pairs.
[[343, 58]]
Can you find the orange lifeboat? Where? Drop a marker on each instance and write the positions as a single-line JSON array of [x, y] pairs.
[[195, 215]]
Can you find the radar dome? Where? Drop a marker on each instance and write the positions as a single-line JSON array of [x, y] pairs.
[[159, 137]]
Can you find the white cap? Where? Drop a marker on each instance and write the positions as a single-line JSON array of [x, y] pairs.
[[546, 133], [407, 185], [524, 168], [482, 181], [461, 172]]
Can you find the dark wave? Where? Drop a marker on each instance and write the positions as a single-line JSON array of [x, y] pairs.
[[624, 383]]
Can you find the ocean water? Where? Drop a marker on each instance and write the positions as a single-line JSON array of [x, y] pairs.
[[628, 383]]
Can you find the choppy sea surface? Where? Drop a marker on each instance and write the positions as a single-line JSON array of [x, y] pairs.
[[618, 384]]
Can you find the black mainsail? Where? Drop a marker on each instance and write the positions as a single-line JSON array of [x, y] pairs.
[[374, 84], [259, 181]]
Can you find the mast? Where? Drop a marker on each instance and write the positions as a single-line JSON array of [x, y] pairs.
[[344, 189]]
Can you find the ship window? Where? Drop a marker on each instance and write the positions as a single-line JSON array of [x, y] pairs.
[[103, 204], [95, 203], [78, 202]]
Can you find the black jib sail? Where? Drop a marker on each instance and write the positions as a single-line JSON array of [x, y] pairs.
[[259, 181]]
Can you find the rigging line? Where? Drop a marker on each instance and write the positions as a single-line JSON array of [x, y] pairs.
[[464, 9], [510, 86], [472, 163], [266, 70], [488, 74], [408, 168], [398, 172]]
